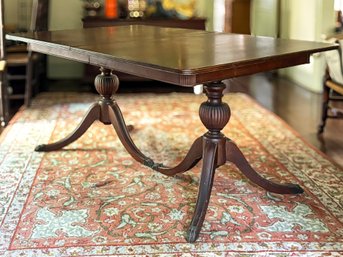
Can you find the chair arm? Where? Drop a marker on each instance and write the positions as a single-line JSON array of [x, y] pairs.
[[335, 86], [2, 65]]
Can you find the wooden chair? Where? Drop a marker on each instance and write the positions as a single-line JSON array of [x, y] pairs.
[[3, 108], [333, 85], [3, 89], [22, 64]]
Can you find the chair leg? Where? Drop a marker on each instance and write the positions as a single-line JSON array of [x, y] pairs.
[[325, 108], [4, 103], [28, 82]]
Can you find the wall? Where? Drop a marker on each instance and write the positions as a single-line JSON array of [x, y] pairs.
[[11, 7], [65, 14], [302, 20], [205, 9], [307, 20], [265, 18]]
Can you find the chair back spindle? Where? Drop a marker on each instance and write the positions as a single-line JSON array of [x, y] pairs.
[[2, 36]]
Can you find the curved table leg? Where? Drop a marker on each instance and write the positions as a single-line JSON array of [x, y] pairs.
[[191, 159], [205, 188], [92, 115], [118, 123], [234, 155], [193, 156]]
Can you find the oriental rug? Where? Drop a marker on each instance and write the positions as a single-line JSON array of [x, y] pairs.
[[93, 199]]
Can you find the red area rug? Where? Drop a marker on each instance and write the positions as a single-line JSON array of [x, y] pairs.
[[93, 199]]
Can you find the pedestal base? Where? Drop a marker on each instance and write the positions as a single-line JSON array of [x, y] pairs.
[[213, 147]]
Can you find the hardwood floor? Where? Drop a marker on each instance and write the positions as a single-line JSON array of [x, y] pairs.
[[300, 108]]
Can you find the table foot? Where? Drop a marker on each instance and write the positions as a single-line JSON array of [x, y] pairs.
[[92, 115], [192, 234], [234, 155]]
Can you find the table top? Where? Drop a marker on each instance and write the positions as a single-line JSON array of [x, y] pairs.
[[180, 56]]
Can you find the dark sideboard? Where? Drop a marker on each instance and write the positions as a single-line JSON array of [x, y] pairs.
[[194, 23]]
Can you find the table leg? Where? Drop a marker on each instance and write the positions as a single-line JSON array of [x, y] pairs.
[[92, 115], [193, 156], [217, 150], [106, 85], [206, 181], [108, 112], [234, 155]]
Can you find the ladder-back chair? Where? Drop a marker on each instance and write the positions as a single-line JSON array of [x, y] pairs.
[[21, 63], [332, 85]]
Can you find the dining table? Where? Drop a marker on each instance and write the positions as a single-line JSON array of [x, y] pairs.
[[183, 57]]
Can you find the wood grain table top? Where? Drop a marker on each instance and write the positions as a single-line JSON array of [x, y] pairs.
[[180, 56]]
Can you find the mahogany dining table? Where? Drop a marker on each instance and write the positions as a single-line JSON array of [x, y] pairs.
[[183, 57]]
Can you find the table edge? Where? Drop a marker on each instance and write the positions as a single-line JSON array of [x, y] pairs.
[[184, 77]]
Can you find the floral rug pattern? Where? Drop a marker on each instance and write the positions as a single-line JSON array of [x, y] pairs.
[[93, 199]]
